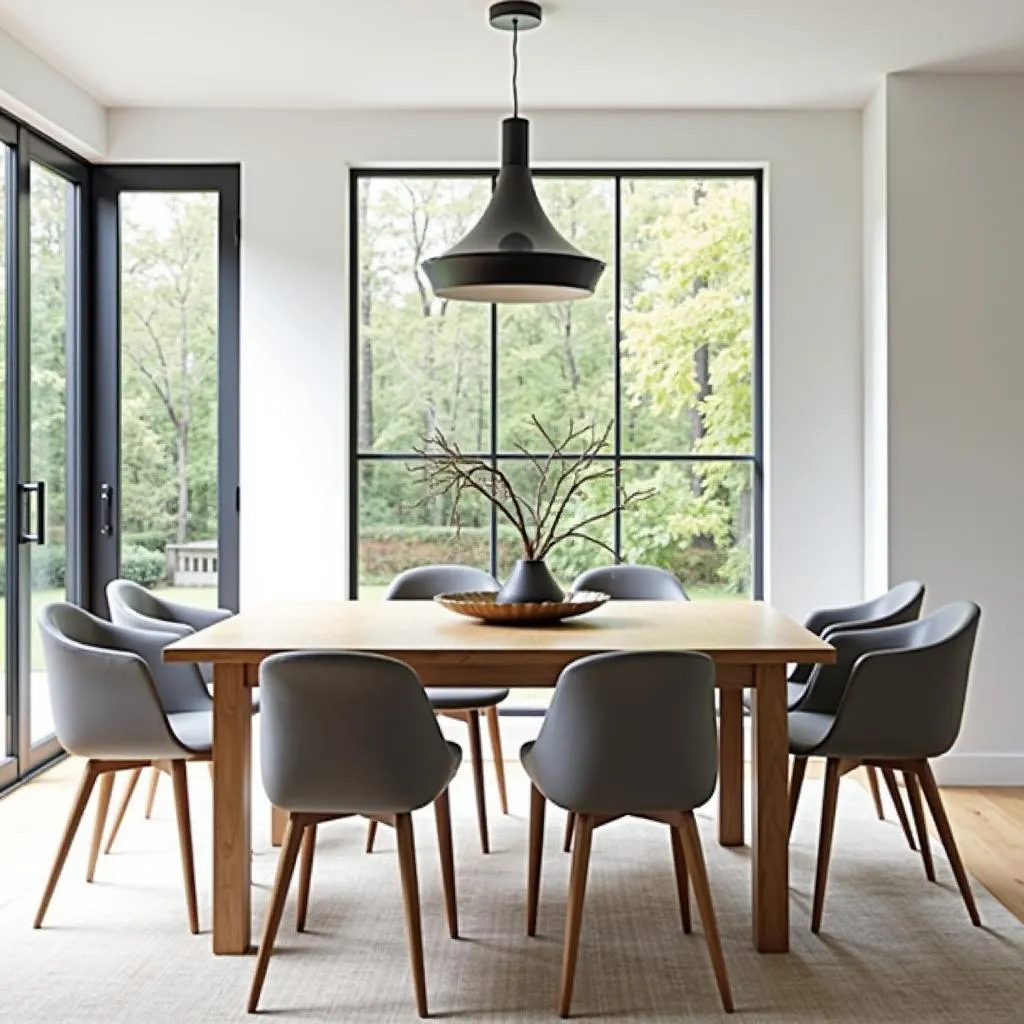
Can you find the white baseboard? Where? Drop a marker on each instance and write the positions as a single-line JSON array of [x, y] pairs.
[[980, 770]]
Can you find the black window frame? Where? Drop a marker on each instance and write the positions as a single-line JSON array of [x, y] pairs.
[[755, 459], [93, 391]]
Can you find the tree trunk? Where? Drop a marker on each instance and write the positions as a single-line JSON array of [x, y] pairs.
[[181, 439], [182, 425], [366, 428]]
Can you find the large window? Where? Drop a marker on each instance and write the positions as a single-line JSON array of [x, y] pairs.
[[666, 353]]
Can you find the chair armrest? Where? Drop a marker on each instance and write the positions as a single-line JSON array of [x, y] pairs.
[[827, 683], [196, 618], [179, 683], [105, 703], [892, 708]]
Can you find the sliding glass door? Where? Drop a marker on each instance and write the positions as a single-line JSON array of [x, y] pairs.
[[165, 486], [43, 193]]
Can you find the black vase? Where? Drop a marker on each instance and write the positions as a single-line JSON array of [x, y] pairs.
[[530, 582]]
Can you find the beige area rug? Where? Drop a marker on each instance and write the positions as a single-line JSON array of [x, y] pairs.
[[893, 946]]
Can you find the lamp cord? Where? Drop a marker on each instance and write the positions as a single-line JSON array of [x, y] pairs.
[[515, 67]]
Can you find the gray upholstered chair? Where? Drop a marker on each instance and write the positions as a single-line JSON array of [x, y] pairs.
[[900, 704], [632, 583], [116, 703], [627, 734], [134, 606], [900, 604], [346, 734], [625, 583], [464, 704]]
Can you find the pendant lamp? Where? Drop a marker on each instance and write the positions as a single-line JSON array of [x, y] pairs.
[[514, 253]]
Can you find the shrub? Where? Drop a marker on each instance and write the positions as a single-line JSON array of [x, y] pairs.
[[152, 540], [141, 565]]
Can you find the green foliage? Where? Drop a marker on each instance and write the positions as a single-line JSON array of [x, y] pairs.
[[687, 360], [141, 565], [154, 540]]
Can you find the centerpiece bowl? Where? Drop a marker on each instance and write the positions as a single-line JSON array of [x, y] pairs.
[[482, 604]]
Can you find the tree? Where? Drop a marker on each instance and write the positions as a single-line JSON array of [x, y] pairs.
[[169, 358]]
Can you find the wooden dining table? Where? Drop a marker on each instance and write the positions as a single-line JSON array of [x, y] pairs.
[[750, 642]]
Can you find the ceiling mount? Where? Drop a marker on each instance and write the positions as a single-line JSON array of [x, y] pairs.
[[515, 14]]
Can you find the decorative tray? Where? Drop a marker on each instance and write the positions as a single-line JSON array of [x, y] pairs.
[[481, 604]]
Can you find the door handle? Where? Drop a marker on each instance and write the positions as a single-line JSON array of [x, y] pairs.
[[106, 510], [25, 492]]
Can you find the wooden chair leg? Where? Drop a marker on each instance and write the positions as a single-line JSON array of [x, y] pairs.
[[538, 806], [574, 910], [889, 776], [371, 835], [935, 805], [411, 896], [570, 825], [305, 876], [694, 853], [154, 778], [129, 789], [876, 793], [499, 758], [682, 879], [477, 758], [443, 818], [275, 909], [179, 778], [796, 784], [85, 787], [917, 809], [828, 824], [106, 788]]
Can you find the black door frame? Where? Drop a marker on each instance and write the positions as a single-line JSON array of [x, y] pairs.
[[102, 469], [19, 757]]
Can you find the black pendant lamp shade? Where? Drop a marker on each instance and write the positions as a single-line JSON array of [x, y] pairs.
[[514, 253]]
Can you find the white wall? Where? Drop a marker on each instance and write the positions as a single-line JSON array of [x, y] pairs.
[[956, 365], [294, 321], [49, 101], [876, 341]]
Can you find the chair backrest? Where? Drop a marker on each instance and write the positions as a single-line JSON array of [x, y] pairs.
[[427, 581], [907, 686], [630, 731], [902, 603], [632, 583], [133, 605], [348, 732], [104, 698]]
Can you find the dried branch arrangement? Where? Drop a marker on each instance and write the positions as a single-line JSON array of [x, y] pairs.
[[542, 517]]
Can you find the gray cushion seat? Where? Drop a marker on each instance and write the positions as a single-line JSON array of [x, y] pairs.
[[807, 729], [443, 699], [193, 729]]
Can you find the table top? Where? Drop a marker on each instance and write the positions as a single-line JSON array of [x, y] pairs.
[[731, 632]]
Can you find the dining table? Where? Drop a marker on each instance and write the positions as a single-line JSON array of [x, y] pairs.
[[750, 642]]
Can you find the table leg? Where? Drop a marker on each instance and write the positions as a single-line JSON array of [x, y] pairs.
[[232, 829], [278, 823], [770, 876], [730, 767]]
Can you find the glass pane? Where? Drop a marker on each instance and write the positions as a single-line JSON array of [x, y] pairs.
[[698, 524], [168, 496], [687, 315], [53, 207], [556, 360], [4, 164], [424, 363], [400, 528], [581, 544]]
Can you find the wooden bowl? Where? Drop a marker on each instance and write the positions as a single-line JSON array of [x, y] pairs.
[[481, 604]]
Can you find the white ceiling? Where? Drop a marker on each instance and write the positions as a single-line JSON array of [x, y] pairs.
[[441, 53]]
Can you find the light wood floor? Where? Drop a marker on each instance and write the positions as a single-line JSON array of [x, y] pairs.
[[988, 823]]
